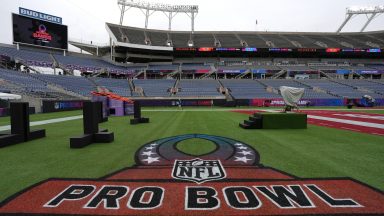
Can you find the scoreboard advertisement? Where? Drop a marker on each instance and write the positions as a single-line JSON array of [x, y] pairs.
[[37, 32]]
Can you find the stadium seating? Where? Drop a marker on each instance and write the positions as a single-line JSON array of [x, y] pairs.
[[336, 89], [79, 85], [38, 84], [77, 62], [158, 38], [368, 86], [199, 88], [84, 63], [117, 86], [204, 40], [32, 58], [165, 67], [195, 67], [247, 89], [308, 93], [155, 88], [27, 84], [252, 39]]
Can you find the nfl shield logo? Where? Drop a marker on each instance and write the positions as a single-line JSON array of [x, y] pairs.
[[198, 170]]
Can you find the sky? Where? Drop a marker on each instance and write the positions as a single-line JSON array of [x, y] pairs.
[[86, 18]]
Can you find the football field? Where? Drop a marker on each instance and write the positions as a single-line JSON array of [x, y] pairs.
[[316, 152]]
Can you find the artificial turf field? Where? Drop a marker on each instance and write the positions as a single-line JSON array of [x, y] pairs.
[[315, 152]]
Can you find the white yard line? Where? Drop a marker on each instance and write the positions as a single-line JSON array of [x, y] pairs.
[[377, 134], [325, 124], [351, 122], [273, 111], [44, 122], [193, 110], [350, 129], [242, 109], [357, 115]]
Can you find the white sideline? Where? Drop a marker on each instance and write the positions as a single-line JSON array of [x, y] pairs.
[[351, 122], [44, 122]]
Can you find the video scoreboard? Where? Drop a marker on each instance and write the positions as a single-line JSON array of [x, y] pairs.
[[39, 32]]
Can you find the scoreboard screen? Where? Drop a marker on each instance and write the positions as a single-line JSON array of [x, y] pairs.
[[40, 33]]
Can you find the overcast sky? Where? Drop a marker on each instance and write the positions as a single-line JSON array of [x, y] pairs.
[[86, 18]]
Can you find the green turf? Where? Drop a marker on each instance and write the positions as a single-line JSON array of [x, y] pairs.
[[313, 152], [196, 146], [43, 116]]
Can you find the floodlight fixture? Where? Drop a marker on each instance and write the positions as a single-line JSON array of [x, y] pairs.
[[149, 8], [371, 11], [365, 10], [190, 43], [169, 43]]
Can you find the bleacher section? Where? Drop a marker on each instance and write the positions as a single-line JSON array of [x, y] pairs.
[[27, 84], [155, 88], [247, 89], [82, 63], [252, 39], [367, 86], [85, 63], [199, 88], [79, 85], [195, 67], [117, 86], [31, 58], [308, 93], [89, 64], [165, 67], [38, 85], [337, 89]]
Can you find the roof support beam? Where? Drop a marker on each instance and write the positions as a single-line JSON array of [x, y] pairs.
[[349, 16], [374, 12], [368, 21]]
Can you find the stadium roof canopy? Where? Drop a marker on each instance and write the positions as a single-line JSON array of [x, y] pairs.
[[139, 37]]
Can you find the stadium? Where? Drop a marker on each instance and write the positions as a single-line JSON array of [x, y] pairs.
[[156, 121]]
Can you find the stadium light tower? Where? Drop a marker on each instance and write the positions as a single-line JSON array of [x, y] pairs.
[[372, 12], [149, 8]]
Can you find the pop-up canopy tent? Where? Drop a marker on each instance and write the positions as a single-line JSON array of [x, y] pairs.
[[291, 95], [6, 96]]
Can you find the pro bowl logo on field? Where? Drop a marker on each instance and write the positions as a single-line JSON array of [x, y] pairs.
[[227, 181]]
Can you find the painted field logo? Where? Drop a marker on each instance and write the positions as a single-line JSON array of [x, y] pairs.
[[198, 170], [227, 181]]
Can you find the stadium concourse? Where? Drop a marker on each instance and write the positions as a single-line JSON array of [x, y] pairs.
[[193, 87]]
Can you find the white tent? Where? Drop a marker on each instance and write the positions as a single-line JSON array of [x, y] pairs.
[[6, 96], [291, 95]]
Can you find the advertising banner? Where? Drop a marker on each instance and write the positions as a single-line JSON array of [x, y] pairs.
[[58, 106]]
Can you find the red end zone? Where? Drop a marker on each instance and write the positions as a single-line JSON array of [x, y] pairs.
[[353, 121], [278, 197], [358, 122]]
